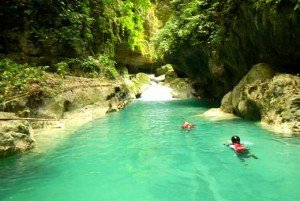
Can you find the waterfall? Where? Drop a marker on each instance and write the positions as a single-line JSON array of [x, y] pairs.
[[156, 92]]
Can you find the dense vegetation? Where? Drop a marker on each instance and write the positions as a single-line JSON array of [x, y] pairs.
[[75, 37], [216, 42], [74, 28]]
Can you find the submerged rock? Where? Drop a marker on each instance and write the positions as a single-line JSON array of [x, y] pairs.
[[216, 114], [15, 137]]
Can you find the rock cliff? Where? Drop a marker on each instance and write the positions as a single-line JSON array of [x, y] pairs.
[[269, 97], [60, 101]]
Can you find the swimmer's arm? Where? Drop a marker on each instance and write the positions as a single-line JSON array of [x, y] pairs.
[[228, 143]]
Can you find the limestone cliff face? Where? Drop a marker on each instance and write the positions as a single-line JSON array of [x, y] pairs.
[[64, 100], [274, 100], [61, 96], [268, 34]]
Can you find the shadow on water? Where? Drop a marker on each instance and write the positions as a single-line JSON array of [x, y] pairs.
[[245, 155]]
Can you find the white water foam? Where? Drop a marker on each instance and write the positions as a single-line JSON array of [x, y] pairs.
[[156, 92]]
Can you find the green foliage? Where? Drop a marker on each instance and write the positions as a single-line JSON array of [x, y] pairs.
[[108, 67], [199, 22], [208, 23], [62, 68], [15, 78], [59, 25], [84, 27], [90, 66]]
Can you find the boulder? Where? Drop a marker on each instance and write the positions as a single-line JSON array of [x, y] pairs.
[[15, 137], [240, 106], [275, 101], [278, 101], [137, 84], [226, 103], [163, 69], [181, 87], [170, 75]]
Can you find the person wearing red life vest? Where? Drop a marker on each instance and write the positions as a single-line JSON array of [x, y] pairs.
[[236, 144], [239, 148]]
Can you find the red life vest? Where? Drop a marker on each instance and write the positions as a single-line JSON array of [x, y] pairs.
[[238, 147]]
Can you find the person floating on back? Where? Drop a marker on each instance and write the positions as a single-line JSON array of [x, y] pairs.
[[240, 149], [187, 125]]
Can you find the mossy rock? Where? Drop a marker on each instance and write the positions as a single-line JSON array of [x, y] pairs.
[[135, 85], [226, 103], [181, 88], [258, 72], [111, 73], [170, 75], [163, 69], [142, 78], [123, 71]]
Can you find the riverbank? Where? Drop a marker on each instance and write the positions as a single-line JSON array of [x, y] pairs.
[[58, 103], [61, 105]]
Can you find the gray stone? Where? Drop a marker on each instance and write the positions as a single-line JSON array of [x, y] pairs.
[[259, 71], [226, 103], [15, 137], [276, 101]]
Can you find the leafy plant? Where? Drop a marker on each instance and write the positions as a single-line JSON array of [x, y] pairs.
[[15, 78]]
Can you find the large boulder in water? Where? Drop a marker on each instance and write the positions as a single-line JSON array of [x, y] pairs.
[[181, 87], [15, 137], [239, 104], [276, 100], [226, 104]]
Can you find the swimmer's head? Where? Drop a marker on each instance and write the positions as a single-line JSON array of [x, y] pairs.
[[235, 139]]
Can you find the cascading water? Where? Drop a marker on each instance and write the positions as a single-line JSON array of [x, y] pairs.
[[155, 91]]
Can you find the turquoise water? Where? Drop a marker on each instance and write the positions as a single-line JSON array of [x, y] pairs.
[[141, 153]]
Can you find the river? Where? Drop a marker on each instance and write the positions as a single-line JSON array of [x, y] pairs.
[[140, 153]]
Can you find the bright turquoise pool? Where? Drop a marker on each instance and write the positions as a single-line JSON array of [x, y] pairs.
[[141, 154]]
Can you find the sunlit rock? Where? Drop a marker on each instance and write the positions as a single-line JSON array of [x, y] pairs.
[[15, 137], [273, 100]]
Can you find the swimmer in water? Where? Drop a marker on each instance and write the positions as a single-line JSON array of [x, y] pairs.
[[241, 151], [187, 125]]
